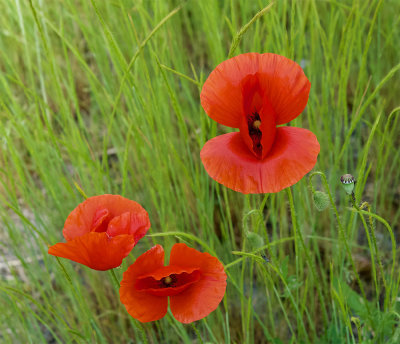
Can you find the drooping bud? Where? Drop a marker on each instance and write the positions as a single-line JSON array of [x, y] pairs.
[[348, 182], [255, 240], [321, 200]]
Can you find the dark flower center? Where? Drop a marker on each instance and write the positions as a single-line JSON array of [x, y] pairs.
[[172, 284], [253, 124], [168, 282]]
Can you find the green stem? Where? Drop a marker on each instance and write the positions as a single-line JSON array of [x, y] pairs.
[[243, 30], [197, 333], [393, 296], [277, 270], [274, 261], [371, 226], [89, 315], [229, 219], [260, 249], [245, 314], [115, 279], [186, 235], [377, 287], [308, 259], [140, 328], [342, 234]]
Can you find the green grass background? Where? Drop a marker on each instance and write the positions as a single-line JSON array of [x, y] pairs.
[[105, 95]]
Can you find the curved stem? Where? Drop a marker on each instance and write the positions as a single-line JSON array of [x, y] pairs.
[[186, 235], [267, 246]]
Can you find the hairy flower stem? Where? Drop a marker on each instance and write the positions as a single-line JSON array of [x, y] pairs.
[[197, 333], [342, 234], [297, 232], [138, 326], [371, 243], [371, 225], [135, 323], [392, 292], [246, 311], [274, 264]]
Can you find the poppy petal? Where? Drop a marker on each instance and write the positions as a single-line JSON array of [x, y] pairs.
[[221, 95], [96, 250], [169, 270], [228, 161], [204, 296], [285, 85], [83, 219], [100, 220], [281, 81], [133, 223], [141, 305]]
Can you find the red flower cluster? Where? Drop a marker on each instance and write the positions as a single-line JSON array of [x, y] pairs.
[[256, 93], [101, 232], [253, 92]]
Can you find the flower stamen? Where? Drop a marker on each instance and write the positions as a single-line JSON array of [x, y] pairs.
[[169, 281], [253, 124], [256, 124]]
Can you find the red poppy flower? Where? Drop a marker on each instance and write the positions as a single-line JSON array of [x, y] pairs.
[[256, 93], [101, 231], [195, 283]]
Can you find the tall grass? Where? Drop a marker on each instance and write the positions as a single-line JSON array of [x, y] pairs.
[[105, 95]]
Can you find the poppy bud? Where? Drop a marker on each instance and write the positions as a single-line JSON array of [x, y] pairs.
[[255, 240], [321, 200], [348, 183]]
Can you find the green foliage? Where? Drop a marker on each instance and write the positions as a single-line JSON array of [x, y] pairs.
[[104, 95]]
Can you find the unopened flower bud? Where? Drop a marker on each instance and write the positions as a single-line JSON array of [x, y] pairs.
[[348, 182], [255, 240], [321, 200]]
